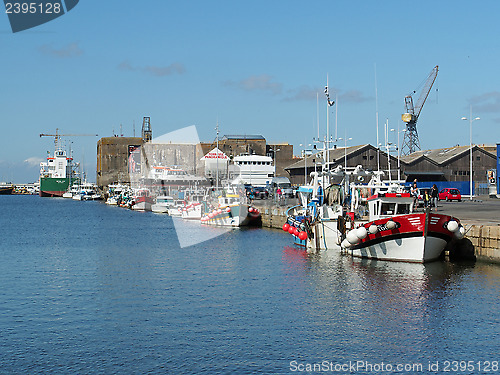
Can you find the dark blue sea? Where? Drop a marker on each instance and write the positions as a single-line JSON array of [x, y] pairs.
[[88, 288]]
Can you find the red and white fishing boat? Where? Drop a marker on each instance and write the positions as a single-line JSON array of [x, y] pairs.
[[395, 233], [142, 200], [193, 211], [392, 230]]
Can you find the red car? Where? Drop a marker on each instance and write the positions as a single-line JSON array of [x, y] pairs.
[[450, 194]]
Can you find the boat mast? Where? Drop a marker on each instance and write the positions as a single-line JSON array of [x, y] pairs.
[[317, 112], [327, 125], [376, 118], [217, 158], [387, 149], [326, 158]]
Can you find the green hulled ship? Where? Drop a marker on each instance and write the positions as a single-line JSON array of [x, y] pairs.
[[56, 174]]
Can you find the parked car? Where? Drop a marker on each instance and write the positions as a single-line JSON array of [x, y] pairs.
[[450, 194], [260, 192]]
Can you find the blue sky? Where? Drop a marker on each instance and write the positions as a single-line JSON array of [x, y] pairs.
[[253, 66]]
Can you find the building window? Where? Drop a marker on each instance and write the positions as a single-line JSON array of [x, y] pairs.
[[365, 157], [478, 157], [371, 157]]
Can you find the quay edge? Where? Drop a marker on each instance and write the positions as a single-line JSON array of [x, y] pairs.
[[481, 242]]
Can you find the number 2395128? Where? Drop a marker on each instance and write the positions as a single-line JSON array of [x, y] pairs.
[[471, 366], [32, 8]]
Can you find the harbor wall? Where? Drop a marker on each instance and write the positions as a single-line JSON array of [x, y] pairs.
[[485, 240], [273, 216], [481, 243]]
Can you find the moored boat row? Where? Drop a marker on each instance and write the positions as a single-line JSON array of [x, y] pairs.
[[392, 230]]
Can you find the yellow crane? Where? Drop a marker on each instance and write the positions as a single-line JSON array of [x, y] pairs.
[[410, 117]]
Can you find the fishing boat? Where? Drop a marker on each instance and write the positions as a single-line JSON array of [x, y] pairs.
[[115, 193], [87, 191], [321, 218], [395, 233], [232, 210], [193, 211], [179, 205], [73, 190], [163, 204], [6, 188], [392, 230], [195, 203], [142, 200]]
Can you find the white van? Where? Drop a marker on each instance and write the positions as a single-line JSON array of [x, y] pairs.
[[284, 184]]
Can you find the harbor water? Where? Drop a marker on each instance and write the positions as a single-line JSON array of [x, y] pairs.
[[91, 288]]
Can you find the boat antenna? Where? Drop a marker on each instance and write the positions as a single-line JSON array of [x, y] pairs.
[[317, 111], [336, 115], [387, 149], [376, 117], [217, 157], [329, 104]]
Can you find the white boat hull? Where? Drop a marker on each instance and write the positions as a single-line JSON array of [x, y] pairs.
[[416, 237], [418, 249], [112, 201], [238, 216], [191, 215], [159, 208], [192, 212], [142, 206], [326, 236]]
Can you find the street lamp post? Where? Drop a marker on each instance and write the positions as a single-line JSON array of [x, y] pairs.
[[399, 152], [345, 150], [275, 152], [304, 155], [217, 159], [346, 185], [471, 120]]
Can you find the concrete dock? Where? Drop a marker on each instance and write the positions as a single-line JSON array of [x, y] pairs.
[[480, 217]]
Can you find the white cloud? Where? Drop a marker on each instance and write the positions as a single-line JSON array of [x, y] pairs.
[[303, 93], [353, 96], [33, 161], [262, 82], [158, 71], [70, 50], [486, 103]]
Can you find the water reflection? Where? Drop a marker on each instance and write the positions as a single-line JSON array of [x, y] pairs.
[[382, 307]]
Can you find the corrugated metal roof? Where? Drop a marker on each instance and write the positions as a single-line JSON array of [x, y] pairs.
[[238, 136], [438, 155], [336, 156]]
